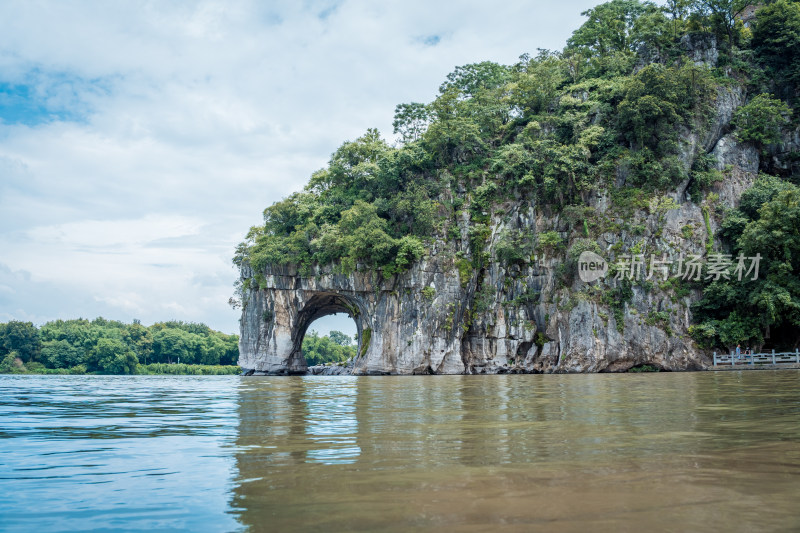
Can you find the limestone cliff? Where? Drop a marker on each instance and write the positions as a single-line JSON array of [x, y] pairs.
[[443, 317], [515, 302]]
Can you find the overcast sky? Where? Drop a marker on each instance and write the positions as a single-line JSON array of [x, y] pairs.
[[140, 140]]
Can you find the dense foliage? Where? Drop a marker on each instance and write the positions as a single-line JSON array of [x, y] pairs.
[[112, 347], [762, 120], [612, 111], [751, 311], [776, 43]]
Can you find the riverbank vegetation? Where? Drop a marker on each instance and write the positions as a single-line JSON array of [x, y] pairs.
[[103, 346], [613, 111], [752, 311]]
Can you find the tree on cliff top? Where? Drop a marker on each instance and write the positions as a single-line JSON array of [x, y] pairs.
[[612, 27]]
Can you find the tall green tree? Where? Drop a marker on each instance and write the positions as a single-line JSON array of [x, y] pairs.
[[319, 350], [658, 99], [775, 235], [476, 78], [340, 338], [140, 340], [22, 337], [762, 120], [62, 354], [722, 15], [112, 356], [776, 41], [170, 346], [536, 82], [611, 27], [410, 121]]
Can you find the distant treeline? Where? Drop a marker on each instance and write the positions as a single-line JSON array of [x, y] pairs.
[[336, 347], [111, 347]]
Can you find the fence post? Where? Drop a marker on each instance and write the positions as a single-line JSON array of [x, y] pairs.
[[715, 358], [773, 356], [797, 356]]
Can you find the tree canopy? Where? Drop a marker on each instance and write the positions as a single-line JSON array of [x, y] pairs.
[[751, 311], [776, 42]]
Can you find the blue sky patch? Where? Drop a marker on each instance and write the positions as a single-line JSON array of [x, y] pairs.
[[43, 98], [431, 40]]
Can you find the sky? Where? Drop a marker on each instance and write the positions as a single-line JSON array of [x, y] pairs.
[[140, 140]]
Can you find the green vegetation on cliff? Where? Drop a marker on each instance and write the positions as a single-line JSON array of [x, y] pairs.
[[768, 308], [612, 112], [112, 347]]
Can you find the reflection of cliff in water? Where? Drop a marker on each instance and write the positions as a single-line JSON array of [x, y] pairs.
[[289, 421], [285, 423], [395, 453]]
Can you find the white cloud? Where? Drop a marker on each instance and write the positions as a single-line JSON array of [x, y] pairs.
[[127, 233], [184, 120]]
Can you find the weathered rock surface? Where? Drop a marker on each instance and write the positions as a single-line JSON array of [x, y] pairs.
[[701, 48], [400, 330], [518, 318]]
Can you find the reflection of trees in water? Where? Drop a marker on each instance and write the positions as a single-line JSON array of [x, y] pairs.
[[287, 421], [495, 420], [454, 419], [740, 408]]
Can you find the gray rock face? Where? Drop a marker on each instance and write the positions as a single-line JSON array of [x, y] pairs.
[[785, 156], [731, 153], [444, 316], [330, 370], [703, 138], [571, 328], [701, 48], [740, 162]]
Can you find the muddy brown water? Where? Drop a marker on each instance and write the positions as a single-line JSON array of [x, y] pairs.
[[697, 451]]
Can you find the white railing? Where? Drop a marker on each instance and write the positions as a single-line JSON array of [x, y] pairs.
[[771, 358]]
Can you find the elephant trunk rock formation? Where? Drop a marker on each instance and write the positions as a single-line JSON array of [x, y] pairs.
[[443, 316]]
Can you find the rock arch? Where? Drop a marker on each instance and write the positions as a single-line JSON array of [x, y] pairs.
[[401, 329], [318, 305]]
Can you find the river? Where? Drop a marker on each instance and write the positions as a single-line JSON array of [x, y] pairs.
[[713, 451]]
